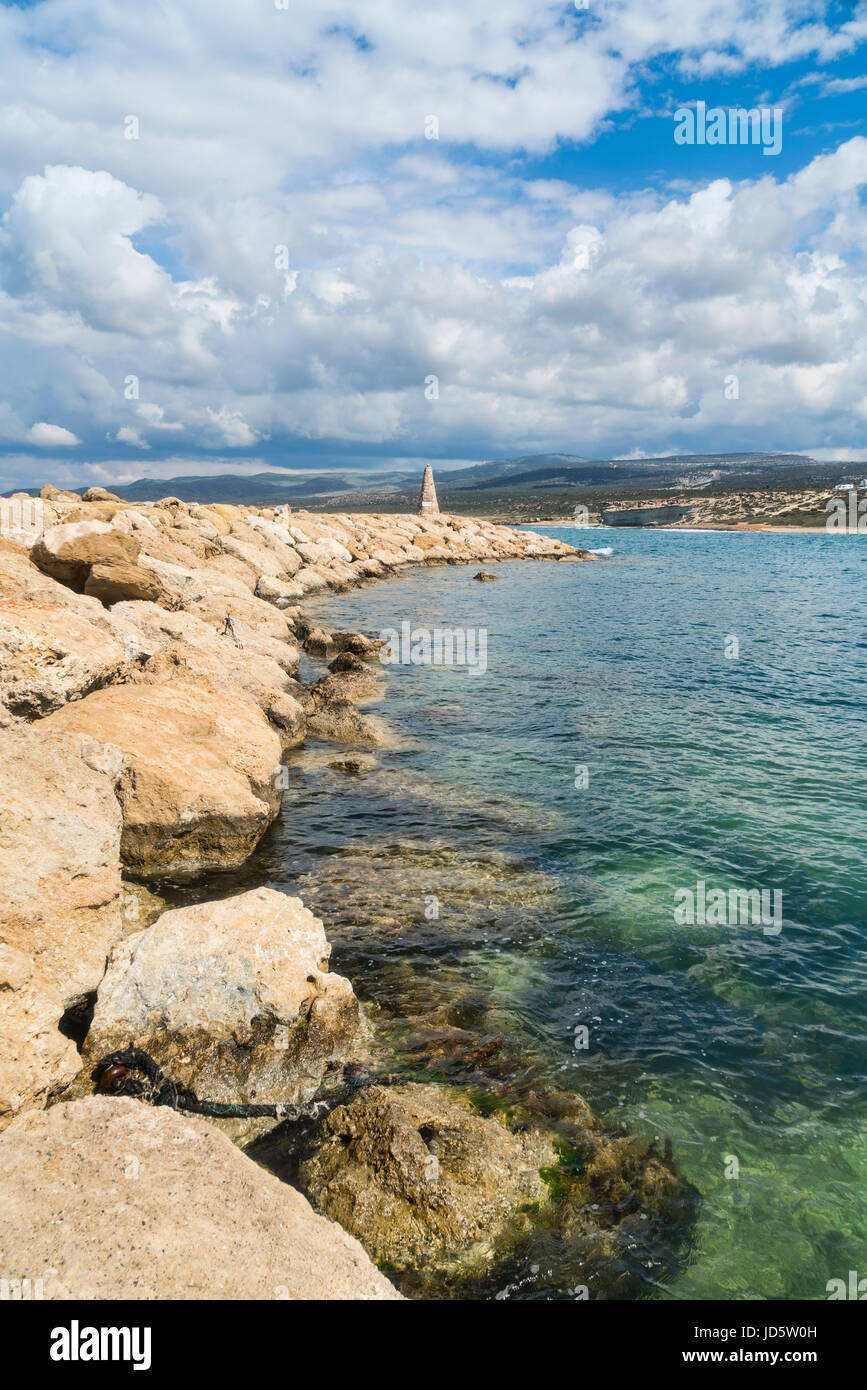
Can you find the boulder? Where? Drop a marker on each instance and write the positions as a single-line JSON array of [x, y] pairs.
[[485, 578], [35, 1057], [343, 723], [347, 661], [422, 1180], [50, 493], [120, 582], [117, 1200], [49, 655], [202, 792], [317, 641], [99, 494], [281, 592], [60, 835], [357, 644], [346, 687], [354, 764], [67, 552], [232, 998], [258, 678]]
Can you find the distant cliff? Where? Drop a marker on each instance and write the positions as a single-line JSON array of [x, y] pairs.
[[666, 515]]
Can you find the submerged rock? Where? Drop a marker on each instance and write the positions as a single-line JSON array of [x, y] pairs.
[[355, 766], [373, 891], [343, 723], [422, 1180], [352, 687], [116, 1200], [232, 998]]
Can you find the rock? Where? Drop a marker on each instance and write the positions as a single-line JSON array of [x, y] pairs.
[[281, 592], [203, 763], [67, 552], [422, 1180], [357, 644], [52, 494], [232, 998], [99, 494], [261, 660], [343, 723], [485, 578], [60, 833], [347, 661], [356, 765], [35, 1057], [118, 1200], [121, 582], [317, 642], [252, 676], [49, 655], [346, 687]]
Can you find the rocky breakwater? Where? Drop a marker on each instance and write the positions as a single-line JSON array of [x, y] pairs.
[[149, 690]]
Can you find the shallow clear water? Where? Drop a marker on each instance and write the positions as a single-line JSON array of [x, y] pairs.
[[556, 901]]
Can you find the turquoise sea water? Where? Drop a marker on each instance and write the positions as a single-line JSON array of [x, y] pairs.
[[556, 901]]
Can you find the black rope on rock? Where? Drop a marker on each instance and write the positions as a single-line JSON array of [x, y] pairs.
[[112, 1076]]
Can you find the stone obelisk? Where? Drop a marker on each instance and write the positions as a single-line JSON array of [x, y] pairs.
[[427, 499]]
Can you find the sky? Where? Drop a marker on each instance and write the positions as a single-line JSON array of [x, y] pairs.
[[240, 235]]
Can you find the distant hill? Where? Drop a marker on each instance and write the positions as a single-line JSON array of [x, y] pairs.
[[264, 489], [533, 480]]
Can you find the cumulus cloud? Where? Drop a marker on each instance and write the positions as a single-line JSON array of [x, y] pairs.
[[280, 259], [47, 436]]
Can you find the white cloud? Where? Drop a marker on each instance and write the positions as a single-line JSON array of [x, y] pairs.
[[47, 436], [232, 428], [555, 316], [127, 435]]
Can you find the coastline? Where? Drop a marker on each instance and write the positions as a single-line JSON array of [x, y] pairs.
[[153, 679], [749, 526]]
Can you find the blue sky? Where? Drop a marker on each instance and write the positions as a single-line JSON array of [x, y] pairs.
[[552, 273]]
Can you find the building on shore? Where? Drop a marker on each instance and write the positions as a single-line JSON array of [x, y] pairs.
[[427, 500]]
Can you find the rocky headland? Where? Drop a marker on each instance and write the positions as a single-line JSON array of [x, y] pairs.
[[150, 692]]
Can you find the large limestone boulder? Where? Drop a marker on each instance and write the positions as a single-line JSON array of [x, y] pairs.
[[120, 1201], [341, 722], [99, 494], [49, 655], [203, 766], [233, 998], [422, 1180], [60, 835], [35, 1057], [184, 647], [352, 687], [67, 552], [116, 583], [283, 593], [240, 678]]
